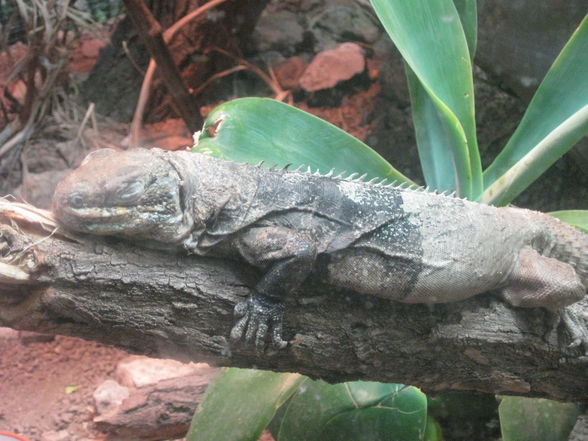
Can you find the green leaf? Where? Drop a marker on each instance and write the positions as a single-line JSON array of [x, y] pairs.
[[555, 120], [373, 424], [320, 411], [71, 389], [433, 430], [433, 134], [255, 129], [576, 218], [431, 39], [468, 13], [240, 403], [536, 419]]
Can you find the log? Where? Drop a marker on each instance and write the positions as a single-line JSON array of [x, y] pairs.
[[160, 411], [171, 305]]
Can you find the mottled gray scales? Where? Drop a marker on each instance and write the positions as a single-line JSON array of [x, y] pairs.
[[383, 262], [405, 245]]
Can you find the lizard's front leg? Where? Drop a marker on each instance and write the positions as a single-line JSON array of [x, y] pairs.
[[286, 257]]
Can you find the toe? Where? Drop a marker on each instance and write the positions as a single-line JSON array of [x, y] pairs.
[[239, 329], [260, 336]]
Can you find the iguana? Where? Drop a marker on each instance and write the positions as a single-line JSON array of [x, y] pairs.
[[407, 245]]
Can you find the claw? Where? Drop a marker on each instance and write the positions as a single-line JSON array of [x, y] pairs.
[[577, 329], [277, 336], [256, 316], [240, 309], [239, 328], [260, 336]]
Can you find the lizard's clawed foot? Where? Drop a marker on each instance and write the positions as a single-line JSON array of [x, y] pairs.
[[256, 316], [576, 326]]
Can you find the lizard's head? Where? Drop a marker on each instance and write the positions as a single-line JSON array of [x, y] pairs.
[[134, 193]]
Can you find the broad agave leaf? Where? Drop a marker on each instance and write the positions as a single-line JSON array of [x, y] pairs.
[[555, 120], [240, 403], [432, 41], [576, 218], [261, 129], [356, 410], [536, 419]]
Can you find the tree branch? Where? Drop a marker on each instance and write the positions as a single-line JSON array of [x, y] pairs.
[[178, 306]]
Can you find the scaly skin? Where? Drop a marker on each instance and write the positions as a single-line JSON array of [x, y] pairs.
[[409, 246]]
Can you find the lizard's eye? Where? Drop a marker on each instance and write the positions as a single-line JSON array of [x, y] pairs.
[[130, 192], [76, 200]]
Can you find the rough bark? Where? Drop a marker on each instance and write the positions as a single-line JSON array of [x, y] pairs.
[[580, 431], [177, 306], [160, 411]]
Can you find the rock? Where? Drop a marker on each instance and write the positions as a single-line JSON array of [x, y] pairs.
[[289, 71], [332, 66], [28, 337], [518, 40], [8, 334], [343, 21], [155, 412], [91, 48], [37, 188], [53, 435], [392, 76], [136, 371], [278, 31], [108, 395]]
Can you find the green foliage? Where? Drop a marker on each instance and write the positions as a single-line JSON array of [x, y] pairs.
[[536, 419], [432, 41], [253, 129], [353, 411], [468, 14], [240, 403], [260, 129], [437, 40], [577, 218], [555, 120], [246, 400]]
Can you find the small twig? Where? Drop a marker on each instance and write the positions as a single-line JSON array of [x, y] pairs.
[[21, 136], [8, 131], [94, 120], [26, 212], [151, 33], [87, 116], [270, 81], [216, 76], [38, 108], [125, 47]]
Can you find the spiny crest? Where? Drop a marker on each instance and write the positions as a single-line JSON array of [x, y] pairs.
[[356, 177]]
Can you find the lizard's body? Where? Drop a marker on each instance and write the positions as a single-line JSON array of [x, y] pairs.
[[406, 245]]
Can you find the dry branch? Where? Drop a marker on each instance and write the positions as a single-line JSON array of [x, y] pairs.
[[160, 411], [168, 35], [152, 36], [178, 306]]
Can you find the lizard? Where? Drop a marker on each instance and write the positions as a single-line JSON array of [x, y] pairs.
[[407, 245]]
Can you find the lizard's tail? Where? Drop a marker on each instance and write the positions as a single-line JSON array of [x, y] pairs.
[[567, 244]]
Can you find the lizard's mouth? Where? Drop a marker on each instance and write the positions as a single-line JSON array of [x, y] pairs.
[[95, 214], [96, 220]]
